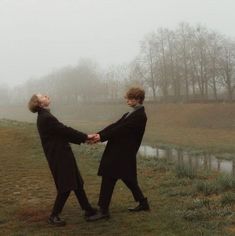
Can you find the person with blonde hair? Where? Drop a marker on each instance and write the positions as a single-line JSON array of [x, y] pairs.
[[119, 158], [55, 138]]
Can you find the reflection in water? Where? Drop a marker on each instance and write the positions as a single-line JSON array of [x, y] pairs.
[[179, 156]]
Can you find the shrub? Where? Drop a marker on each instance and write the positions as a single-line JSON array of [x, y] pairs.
[[185, 171]]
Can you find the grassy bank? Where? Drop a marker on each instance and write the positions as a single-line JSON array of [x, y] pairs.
[[210, 127], [182, 202]]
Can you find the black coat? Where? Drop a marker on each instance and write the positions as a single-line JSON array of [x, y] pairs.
[[55, 139], [124, 139]]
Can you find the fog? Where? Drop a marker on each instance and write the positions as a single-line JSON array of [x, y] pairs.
[[40, 37]]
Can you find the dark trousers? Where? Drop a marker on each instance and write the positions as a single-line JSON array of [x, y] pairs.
[[107, 187], [61, 198]]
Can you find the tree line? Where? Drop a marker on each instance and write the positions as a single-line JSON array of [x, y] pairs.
[[188, 64]]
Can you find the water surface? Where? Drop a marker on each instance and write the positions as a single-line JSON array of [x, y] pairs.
[[197, 161]]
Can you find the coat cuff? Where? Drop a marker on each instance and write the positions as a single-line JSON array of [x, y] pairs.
[[102, 137]]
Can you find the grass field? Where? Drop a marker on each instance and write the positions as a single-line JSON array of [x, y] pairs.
[[210, 127], [182, 202]]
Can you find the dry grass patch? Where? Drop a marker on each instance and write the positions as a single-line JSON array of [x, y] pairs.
[[30, 215]]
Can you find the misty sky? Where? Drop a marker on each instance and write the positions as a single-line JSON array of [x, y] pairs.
[[40, 36]]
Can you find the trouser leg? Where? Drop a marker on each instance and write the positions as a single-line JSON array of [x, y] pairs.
[[59, 202], [106, 191], [135, 189], [82, 198]]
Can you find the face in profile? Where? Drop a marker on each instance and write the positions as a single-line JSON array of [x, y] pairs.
[[132, 102], [44, 100]]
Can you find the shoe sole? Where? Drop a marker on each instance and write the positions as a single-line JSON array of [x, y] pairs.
[[57, 225]]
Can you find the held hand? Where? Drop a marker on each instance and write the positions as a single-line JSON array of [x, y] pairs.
[[93, 138], [90, 138], [96, 138]]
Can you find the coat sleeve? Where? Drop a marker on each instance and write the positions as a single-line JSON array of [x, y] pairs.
[[54, 127], [111, 126], [120, 130]]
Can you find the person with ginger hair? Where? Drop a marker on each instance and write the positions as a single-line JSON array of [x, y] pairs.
[[119, 158]]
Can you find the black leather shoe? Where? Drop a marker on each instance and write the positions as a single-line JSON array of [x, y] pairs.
[[90, 212], [99, 216], [56, 221], [143, 206]]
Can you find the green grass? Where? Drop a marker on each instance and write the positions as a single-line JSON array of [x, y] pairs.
[[228, 199], [177, 207], [185, 171], [219, 184]]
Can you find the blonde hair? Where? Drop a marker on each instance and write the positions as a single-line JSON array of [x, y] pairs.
[[34, 103], [136, 93]]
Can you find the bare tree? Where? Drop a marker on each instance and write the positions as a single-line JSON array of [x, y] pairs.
[[227, 62], [149, 62]]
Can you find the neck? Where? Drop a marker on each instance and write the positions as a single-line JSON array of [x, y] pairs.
[[45, 108], [137, 105]]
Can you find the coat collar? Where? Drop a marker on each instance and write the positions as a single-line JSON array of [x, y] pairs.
[[141, 109], [41, 110]]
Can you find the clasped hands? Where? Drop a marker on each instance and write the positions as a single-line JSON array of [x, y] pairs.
[[93, 138]]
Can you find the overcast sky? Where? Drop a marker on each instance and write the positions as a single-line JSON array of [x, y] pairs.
[[39, 36]]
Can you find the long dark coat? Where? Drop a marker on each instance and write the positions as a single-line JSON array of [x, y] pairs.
[[55, 139], [124, 139]]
